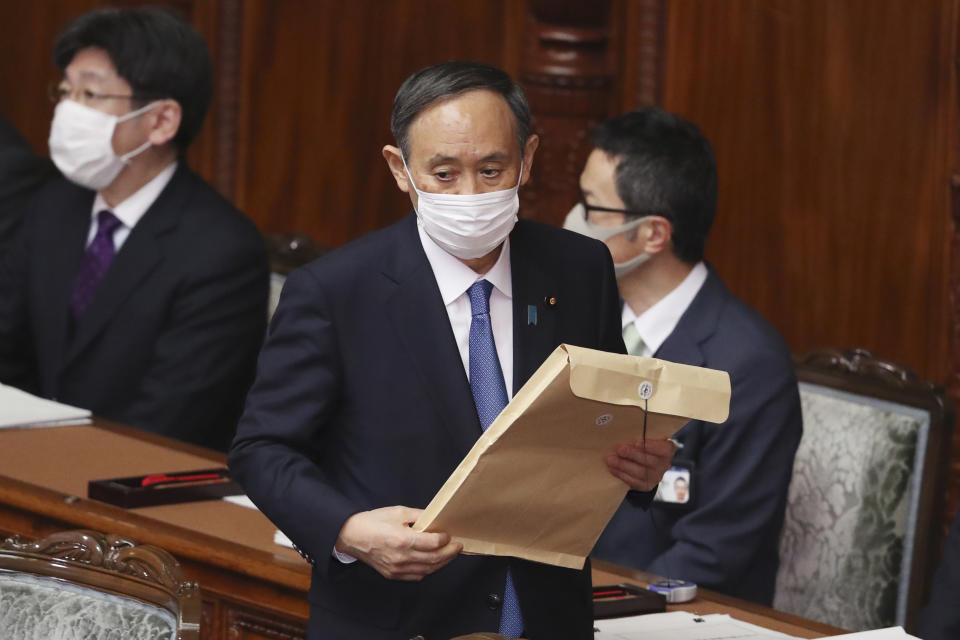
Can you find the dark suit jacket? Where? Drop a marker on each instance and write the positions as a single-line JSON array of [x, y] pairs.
[[361, 401], [728, 538], [940, 619], [169, 342], [21, 174]]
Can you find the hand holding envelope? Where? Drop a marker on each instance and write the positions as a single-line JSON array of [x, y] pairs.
[[641, 463], [542, 481]]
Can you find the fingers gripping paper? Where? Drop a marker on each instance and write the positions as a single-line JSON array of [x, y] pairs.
[[536, 484]]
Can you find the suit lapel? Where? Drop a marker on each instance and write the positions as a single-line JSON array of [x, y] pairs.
[[137, 258], [67, 244], [534, 331], [697, 323], [420, 318]]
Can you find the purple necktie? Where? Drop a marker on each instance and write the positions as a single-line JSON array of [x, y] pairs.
[[95, 263]]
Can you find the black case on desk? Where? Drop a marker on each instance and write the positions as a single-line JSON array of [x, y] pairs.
[[129, 492], [636, 601]]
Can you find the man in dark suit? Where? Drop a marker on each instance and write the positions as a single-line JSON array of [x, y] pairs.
[[133, 288], [21, 174], [940, 619], [387, 358], [649, 190]]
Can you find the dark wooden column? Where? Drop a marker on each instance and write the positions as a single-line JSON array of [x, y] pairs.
[[567, 71]]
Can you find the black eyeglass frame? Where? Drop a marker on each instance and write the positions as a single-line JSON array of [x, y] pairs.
[[55, 95], [587, 208]]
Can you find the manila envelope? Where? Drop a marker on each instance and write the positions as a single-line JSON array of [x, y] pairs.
[[536, 485]]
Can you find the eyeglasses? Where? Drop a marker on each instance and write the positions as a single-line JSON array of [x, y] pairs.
[[587, 208], [57, 92]]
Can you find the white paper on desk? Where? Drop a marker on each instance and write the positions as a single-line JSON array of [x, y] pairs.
[[279, 537], [890, 633], [19, 409], [681, 625], [535, 485]]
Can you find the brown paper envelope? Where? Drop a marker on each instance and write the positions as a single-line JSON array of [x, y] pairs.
[[535, 485]]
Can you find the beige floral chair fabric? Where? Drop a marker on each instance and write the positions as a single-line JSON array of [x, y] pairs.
[[859, 541]]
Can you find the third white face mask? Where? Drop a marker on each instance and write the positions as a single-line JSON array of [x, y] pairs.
[[577, 221], [468, 225], [81, 143]]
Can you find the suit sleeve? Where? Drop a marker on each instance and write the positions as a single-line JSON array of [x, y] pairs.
[[940, 619], [17, 364], [203, 361], [278, 444], [744, 472]]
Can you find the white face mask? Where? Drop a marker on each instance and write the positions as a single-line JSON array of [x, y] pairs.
[[81, 143], [470, 225], [577, 221]]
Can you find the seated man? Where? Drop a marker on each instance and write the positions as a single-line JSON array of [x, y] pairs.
[[649, 190], [21, 174], [940, 619], [133, 289], [389, 356]]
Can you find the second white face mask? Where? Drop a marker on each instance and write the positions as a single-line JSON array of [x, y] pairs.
[[577, 221], [468, 225], [81, 143]]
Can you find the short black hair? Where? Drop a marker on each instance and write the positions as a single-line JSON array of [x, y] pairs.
[[665, 166], [157, 52], [449, 79]]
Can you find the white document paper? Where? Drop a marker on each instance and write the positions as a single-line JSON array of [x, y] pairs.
[[279, 537], [681, 625], [891, 633], [19, 409]]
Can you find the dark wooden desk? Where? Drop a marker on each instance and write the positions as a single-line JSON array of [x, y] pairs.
[[252, 589]]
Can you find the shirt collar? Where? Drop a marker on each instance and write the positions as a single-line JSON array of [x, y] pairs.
[[135, 206], [657, 323], [454, 278]]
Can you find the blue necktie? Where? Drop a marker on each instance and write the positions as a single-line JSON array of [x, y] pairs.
[[490, 396]]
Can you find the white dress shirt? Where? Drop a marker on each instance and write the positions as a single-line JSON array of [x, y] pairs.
[[657, 323], [454, 278], [132, 209]]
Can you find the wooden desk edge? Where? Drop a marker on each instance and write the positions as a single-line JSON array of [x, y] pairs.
[[187, 543], [644, 578]]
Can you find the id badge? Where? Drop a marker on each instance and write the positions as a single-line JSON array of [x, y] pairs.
[[676, 486]]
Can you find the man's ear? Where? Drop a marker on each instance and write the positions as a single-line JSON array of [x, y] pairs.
[[529, 149], [395, 164], [656, 234], [164, 121]]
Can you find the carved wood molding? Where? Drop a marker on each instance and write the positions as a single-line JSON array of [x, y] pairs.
[[864, 363], [243, 620], [111, 552]]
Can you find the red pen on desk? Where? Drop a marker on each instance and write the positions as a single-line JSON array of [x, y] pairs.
[[164, 479]]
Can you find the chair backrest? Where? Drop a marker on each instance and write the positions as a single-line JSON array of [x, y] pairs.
[[86, 584], [287, 251], [857, 546]]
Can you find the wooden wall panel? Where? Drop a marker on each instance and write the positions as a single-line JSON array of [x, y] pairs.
[[319, 80], [830, 122]]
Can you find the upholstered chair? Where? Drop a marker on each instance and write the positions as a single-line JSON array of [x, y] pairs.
[[85, 585], [858, 545]]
